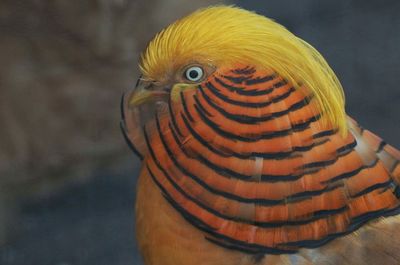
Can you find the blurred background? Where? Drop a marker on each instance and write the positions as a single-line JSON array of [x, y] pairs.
[[67, 179]]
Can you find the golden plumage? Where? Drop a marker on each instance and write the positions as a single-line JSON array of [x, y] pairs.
[[250, 159]]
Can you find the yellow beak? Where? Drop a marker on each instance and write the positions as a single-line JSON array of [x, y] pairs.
[[144, 92], [138, 97]]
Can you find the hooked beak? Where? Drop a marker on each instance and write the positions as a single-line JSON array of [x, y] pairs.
[[146, 91]]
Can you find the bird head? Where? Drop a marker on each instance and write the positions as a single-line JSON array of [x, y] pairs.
[[213, 40]]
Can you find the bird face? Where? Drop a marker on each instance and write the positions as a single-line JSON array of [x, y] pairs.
[[171, 84], [157, 95]]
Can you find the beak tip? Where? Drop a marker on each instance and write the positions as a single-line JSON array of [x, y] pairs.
[[137, 97]]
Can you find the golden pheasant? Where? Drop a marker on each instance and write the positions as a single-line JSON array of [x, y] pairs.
[[247, 154]]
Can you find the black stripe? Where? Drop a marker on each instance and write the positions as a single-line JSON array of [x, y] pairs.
[[254, 138], [244, 71], [355, 224], [138, 81], [236, 79], [250, 119], [373, 187], [161, 187], [317, 215], [340, 152], [198, 138], [381, 146], [317, 164], [196, 99], [223, 97], [230, 87], [396, 191], [234, 247], [250, 92], [309, 194], [129, 143], [351, 173], [188, 217], [259, 80], [363, 218], [324, 133], [185, 108], [172, 115], [121, 107], [123, 129], [294, 106], [347, 148], [315, 243]]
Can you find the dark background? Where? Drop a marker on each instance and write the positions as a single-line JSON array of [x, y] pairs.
[[70, 212]]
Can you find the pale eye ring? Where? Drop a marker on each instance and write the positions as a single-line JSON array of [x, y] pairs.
[[194, 73]]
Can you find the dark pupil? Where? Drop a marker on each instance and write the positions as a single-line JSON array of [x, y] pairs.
[[193, 74]]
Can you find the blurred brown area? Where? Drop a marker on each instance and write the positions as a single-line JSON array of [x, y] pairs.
[[64, 65]]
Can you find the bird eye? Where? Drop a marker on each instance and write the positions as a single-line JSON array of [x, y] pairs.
[[194, 73]]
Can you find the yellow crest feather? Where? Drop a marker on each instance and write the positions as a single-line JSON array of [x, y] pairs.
[[225, 35]]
